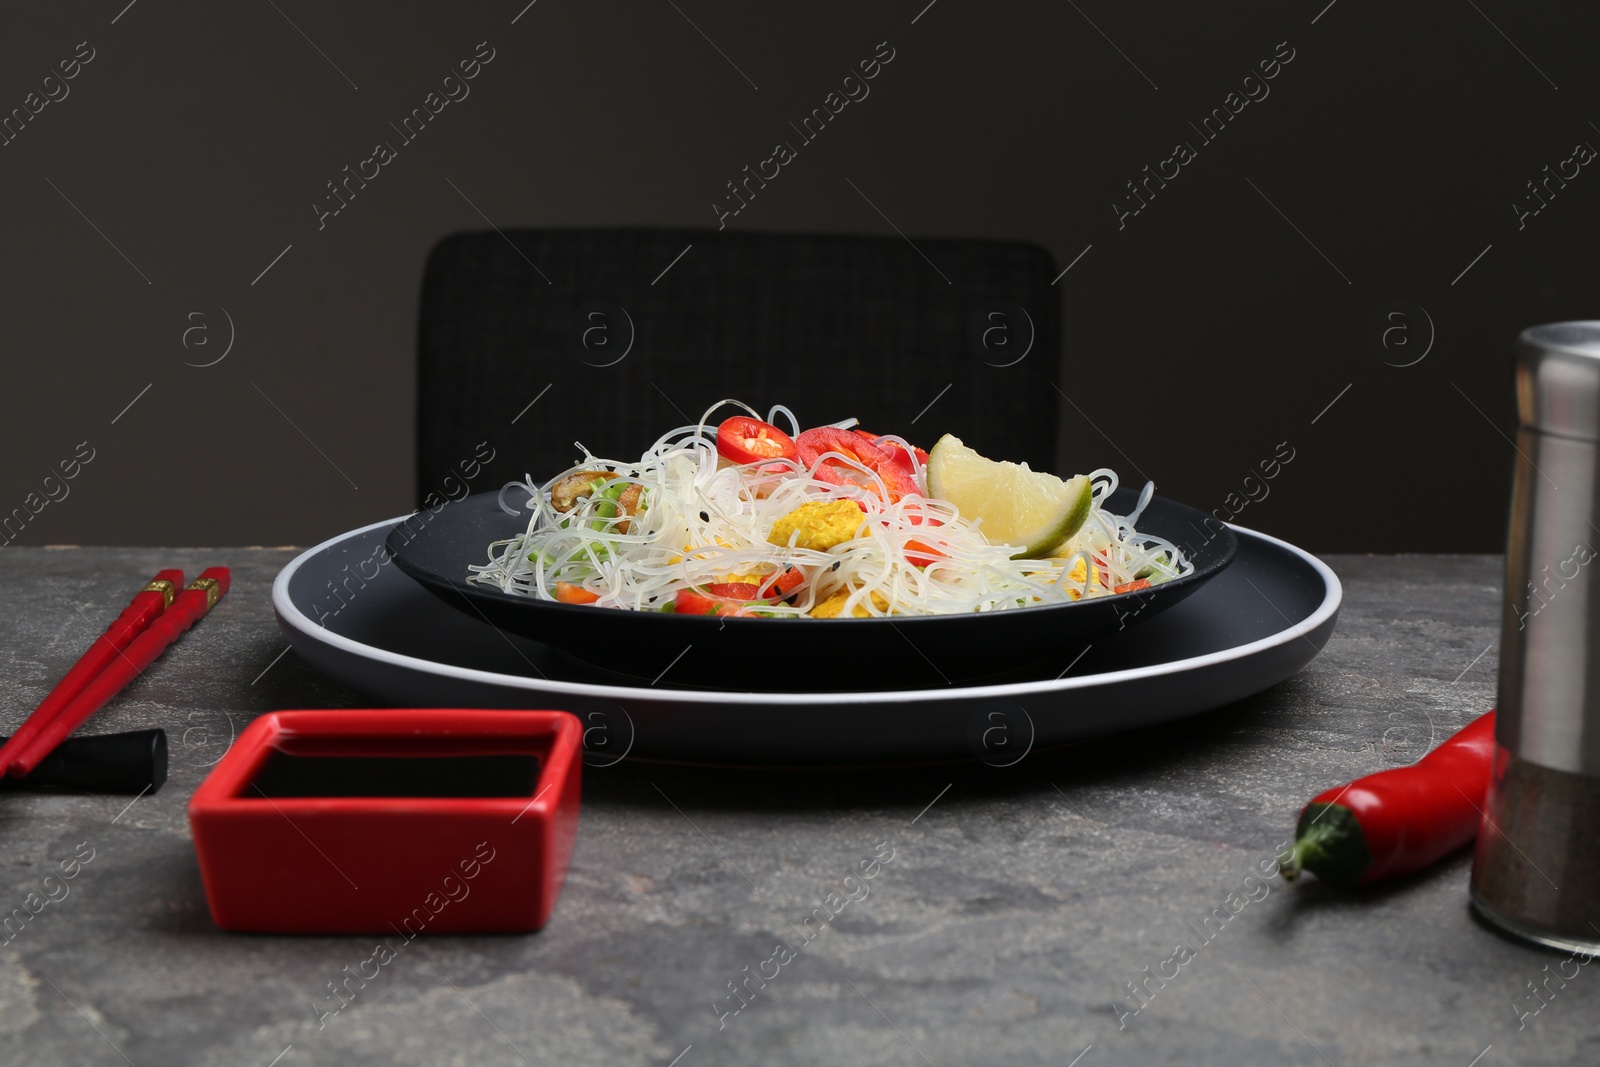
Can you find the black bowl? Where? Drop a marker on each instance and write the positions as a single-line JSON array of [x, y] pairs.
[[756, 654]]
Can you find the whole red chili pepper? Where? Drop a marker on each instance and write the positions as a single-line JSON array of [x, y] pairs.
[[1397, 821]]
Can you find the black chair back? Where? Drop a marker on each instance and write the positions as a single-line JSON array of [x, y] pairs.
[[533, 339]]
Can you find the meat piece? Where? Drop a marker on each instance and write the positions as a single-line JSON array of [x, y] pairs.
[[566, 493], [628, 504]]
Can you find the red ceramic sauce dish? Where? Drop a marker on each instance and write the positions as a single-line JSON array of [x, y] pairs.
[[438, 821]]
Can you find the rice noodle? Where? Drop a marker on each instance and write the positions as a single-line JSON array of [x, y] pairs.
[[705, 520]]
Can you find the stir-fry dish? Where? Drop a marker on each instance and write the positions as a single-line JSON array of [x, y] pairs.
[[744, 518]]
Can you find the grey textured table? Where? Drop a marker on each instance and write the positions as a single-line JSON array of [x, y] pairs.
[[1016, 908]]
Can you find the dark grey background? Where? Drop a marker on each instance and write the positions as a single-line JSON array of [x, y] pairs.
[[1211, 328]]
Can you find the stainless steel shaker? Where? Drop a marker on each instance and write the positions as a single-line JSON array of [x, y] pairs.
[[1536, 869]]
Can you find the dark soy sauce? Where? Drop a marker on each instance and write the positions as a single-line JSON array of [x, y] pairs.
[[285, 775]]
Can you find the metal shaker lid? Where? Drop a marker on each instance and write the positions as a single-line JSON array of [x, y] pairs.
[[1558, 379]]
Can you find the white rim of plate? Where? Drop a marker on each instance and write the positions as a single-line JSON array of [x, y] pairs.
[[289, 613]]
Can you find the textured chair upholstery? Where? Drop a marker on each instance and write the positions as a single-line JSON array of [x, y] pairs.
[[832, 326]]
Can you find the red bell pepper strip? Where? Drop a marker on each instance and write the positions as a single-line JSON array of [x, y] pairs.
[[813, 444], [567, 593], [909, 461], [742, 439]]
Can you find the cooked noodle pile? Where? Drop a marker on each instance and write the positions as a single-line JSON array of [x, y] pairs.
[[702, 520]]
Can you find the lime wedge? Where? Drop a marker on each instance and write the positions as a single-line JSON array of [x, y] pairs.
[[1030, 509]]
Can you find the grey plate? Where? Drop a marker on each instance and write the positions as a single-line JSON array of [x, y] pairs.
[[351, 614]]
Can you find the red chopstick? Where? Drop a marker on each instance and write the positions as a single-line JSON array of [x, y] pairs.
[[146, 605], [195, 600]]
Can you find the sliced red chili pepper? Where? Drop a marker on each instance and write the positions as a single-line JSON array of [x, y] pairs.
[[1398, 821], [814, 443], [742, 439], [567, 593]]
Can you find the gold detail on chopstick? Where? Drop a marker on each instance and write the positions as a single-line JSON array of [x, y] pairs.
[[168, 591], [212, 591]]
